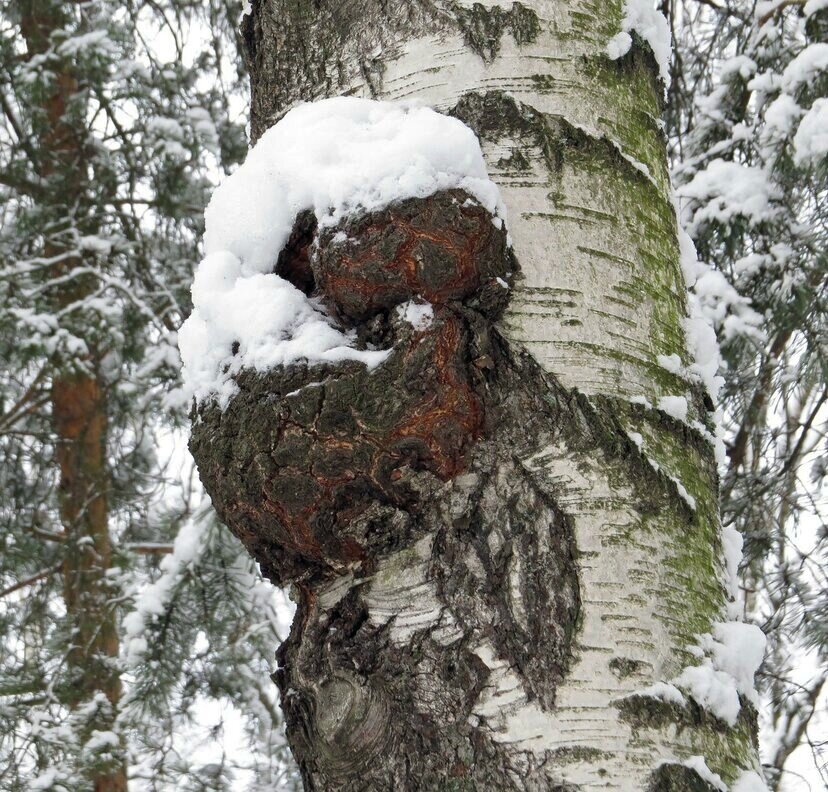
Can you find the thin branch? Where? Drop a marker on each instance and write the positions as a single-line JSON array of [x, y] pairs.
[[22, 138], [149, 548], [44, 573]]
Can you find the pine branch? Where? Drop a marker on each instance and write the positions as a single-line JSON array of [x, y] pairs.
[[15, 124], [44, 573]]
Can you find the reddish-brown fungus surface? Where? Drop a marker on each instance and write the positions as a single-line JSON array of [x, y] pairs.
[[440, 249]]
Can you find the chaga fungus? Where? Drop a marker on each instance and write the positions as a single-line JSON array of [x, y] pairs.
[[439, 249], [305, 459]]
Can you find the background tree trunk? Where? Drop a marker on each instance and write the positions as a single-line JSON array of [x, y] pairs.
[[79, 412], [499, 633]]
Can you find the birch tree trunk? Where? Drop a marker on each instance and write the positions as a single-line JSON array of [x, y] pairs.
[[502, 632]]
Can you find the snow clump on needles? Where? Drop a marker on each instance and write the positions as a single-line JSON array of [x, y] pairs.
[[334, 157]]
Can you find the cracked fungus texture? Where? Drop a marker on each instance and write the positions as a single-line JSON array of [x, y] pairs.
[[333, 158]]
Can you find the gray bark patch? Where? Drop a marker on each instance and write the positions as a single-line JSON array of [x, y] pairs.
[[303, 50]]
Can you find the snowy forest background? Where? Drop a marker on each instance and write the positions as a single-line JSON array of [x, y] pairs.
[[95, 267]]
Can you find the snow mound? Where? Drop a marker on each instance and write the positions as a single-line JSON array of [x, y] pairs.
[[806, 66], [418, 315], [674, 406], [725, 190], [749, 781], [664, 691], [702, 345], [190, 544], [335, 157], [811, 139], [699, 764], [645, 19], [731, 657]]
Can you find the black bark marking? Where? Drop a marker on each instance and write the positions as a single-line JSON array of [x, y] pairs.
[[678, 778], [483, 28], [495, 115], [624, 667]]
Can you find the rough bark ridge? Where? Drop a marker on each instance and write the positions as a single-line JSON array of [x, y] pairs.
[[488, 607]]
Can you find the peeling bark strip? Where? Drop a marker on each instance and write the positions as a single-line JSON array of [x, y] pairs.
[[495, 554]]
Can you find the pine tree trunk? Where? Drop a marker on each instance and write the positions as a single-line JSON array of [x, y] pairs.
[[78, 402], [495, 629]]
